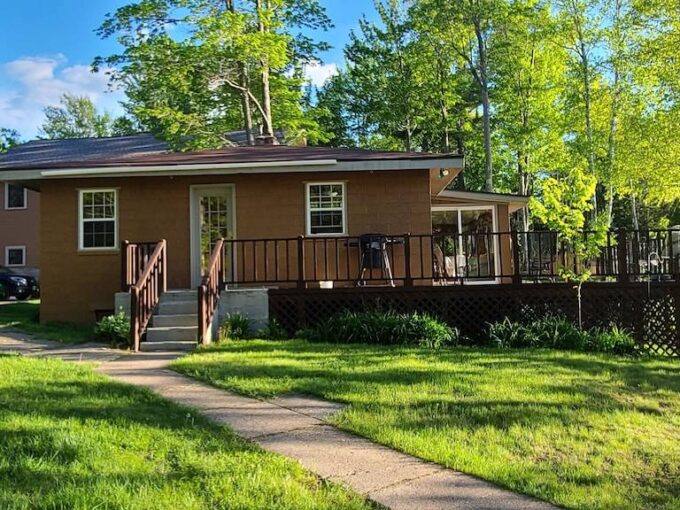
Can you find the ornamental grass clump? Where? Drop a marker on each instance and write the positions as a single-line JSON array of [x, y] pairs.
[[384, 328], [552, 332], [235, 327]]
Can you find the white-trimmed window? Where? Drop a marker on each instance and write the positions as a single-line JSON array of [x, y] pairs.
[[326, 209], [98, 219], [15, 196], [15, 256]]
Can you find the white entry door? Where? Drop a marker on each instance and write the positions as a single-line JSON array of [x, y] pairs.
[[212, 218]]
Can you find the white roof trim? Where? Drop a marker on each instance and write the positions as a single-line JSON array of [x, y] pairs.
[[484, 197], [326, 165]]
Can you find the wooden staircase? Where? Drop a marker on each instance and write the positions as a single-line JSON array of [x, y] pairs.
[[174, 324]]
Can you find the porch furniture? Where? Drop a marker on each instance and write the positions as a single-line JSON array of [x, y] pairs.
[[373, 249]]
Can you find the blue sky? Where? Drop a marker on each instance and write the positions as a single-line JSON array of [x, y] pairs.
[[46, 47]]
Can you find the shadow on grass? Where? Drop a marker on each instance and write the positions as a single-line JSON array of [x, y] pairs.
[[435, 388]]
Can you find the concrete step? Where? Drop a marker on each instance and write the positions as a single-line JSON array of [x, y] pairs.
[[168, 321], [172, 334], [177, 308], [179, 295], [167, 346]]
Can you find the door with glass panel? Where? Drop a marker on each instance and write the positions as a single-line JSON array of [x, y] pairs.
[[212, 220], [465, 243]]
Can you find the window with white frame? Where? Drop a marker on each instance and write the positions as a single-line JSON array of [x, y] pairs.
[[98, 227], [15, 196], [326, 214], [15, 256]]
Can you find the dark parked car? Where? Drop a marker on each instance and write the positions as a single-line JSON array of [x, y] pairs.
[[13, 284]]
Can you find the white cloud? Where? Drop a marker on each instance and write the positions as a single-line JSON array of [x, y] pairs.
[[319, 73], [29, 84]]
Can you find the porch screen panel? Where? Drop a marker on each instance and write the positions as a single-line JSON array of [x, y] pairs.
[[479, 245]]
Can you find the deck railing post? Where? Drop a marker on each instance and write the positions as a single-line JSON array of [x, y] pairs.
[[134, 318], [408, 277], [516, 269], [124, 265], [622, 255], [301, 262], [164, 262]]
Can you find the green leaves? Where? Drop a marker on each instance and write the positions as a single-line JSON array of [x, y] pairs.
[[8, 139], [224, 66], [77, 117]]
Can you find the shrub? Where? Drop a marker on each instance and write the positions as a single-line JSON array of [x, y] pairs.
[[508, 334], [387, 328], [235, 327], [114, 329], [557, 333], [273, 331], [553, 332], [614, 340]]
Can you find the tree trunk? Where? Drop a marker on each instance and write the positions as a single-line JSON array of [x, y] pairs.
[[267, 127], [589, 124], [613, 126], [486, 107], [245, 105], [245, 93]]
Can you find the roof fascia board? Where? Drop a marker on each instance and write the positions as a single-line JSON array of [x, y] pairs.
[[483, 197], [327, 165]]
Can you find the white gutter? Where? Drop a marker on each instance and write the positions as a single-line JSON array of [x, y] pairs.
[[269, 165]]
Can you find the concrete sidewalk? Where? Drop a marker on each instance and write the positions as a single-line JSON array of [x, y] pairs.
[[295, 427]]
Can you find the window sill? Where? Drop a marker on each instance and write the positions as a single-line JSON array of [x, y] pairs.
[[16, 208], [98, 251]]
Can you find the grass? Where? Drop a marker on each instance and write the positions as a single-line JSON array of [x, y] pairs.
[[71, 439], [580, 430], [25, 316]]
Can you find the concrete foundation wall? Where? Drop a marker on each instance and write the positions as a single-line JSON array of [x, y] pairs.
[[253, 303]]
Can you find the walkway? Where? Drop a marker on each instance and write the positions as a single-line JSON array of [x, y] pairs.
[[295, 426]]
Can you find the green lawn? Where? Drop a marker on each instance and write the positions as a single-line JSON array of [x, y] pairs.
[[24, 316], [583, 431], [71, 439]]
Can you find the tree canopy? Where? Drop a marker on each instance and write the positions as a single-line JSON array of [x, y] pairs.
[[77, 117], [8, 139], [531, 91], [193, 70]]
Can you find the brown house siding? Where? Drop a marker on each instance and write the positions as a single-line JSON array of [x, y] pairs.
[[77, 284], [19, 227]]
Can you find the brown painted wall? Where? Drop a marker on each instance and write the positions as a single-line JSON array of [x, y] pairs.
[[76, 284], [19, 227]]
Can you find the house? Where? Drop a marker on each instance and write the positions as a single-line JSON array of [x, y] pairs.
[[274, 205], [19, 220]]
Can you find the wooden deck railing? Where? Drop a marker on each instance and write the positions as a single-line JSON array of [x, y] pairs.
[[133, 261], [146, 292], [209, 290], [443, 259]]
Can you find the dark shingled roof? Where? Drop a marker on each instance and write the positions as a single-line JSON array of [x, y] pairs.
[[145, 150]]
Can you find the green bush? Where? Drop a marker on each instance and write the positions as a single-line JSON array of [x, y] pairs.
[[386, 328], [235, 327], [114, 329], [553, 332], [614, 340], [508, 334], [273, 331]]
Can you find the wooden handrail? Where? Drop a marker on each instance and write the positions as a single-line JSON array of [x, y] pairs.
[[209, 290], [146, 292], [134, 257]]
